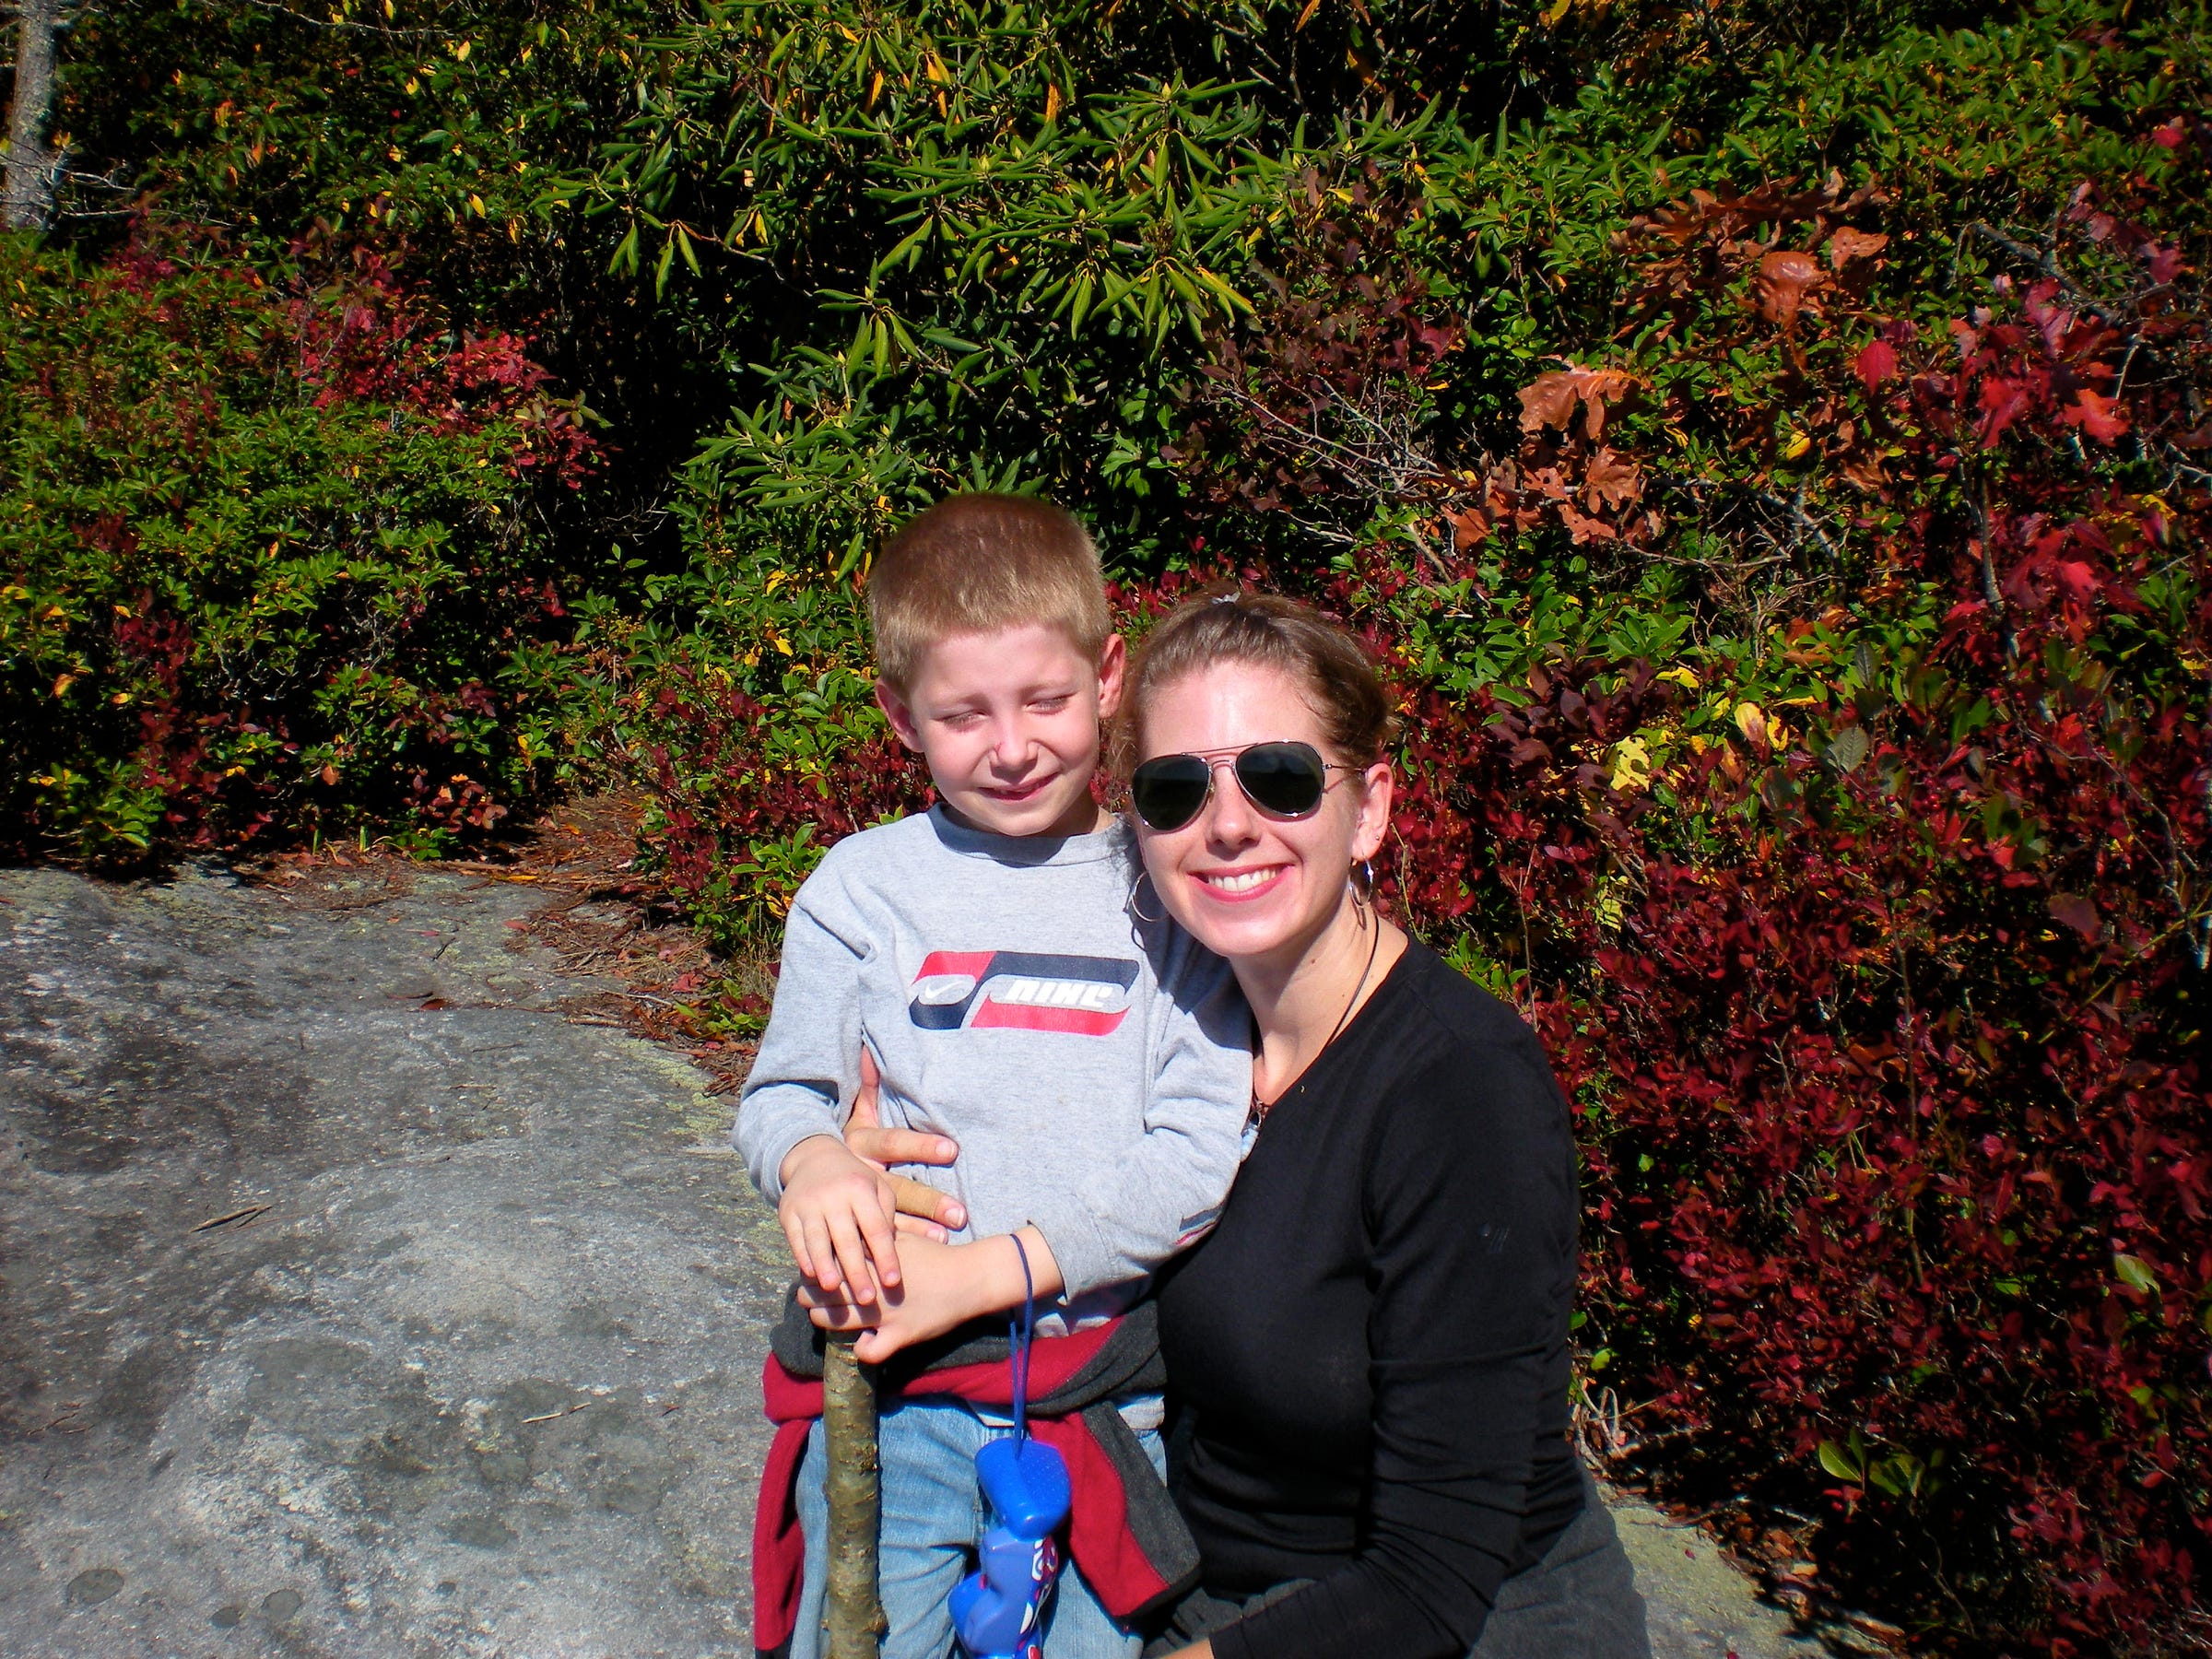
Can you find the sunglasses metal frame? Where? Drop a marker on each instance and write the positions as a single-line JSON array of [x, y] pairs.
[[1216, 759]]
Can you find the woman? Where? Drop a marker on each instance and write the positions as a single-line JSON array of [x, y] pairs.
[[1368, 1356]]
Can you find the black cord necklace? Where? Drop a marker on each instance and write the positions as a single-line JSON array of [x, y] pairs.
[[1260, 1109]]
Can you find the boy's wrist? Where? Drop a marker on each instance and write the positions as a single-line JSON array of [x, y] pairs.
[[1009, 1282], [814, 1149]]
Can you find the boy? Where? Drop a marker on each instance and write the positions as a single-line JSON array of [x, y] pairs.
[[1092, 1064]]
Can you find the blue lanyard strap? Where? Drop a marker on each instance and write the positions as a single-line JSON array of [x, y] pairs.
[[1021, 1331]]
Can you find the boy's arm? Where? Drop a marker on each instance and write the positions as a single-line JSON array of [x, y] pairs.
[[802, 1079], [836, 1210], [1123, 1221]]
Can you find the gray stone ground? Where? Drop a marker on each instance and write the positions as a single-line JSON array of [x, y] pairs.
[[479, 1378]]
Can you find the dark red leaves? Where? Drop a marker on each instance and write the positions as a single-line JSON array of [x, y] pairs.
[[1875, 364]]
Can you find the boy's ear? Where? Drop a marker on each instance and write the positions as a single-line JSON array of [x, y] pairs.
[[1114, 665], [896, 710]]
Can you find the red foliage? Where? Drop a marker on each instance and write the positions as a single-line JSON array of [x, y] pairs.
[[1890, 1045], [1891, 1049], [365, 338], [723, 796]]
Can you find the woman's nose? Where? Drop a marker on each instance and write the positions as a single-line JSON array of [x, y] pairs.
[[1227, 813]]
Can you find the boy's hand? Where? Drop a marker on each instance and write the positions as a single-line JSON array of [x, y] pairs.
[[837, 1213], [936, 1292], [943, 1286]]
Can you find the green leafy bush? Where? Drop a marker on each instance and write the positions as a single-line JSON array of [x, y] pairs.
[[270, 554]]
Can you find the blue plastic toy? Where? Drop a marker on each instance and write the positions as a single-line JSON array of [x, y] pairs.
[[998, 1610]]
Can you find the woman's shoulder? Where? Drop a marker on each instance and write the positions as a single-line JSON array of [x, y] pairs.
[[1441, 1014], [1440, 1050], [1458, 1084]]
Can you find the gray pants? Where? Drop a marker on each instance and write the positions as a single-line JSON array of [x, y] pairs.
[[1578, 1602]]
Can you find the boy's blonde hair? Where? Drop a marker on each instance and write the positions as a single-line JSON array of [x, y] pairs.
[[978, 564]]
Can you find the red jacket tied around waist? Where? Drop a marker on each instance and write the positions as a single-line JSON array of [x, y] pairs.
[[1123, 1533]]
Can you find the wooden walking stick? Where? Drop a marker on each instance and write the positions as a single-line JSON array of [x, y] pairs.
[[853, 1620]]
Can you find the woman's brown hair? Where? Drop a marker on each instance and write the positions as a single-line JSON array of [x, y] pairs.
[[1268, 631]]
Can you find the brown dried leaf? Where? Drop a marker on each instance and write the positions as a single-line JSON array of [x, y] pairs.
[[1599, 387], [1785, 276], [1468, 528], [1847, 244], [1548, 401], [1584, 529], [1612, 480]]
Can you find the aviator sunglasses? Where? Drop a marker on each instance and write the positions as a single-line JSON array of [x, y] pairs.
[[1283, 780]]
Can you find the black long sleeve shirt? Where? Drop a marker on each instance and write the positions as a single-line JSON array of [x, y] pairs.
[[1369, 1353]]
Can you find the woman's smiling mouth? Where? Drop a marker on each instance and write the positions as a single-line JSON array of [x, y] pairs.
[[1239, 884]]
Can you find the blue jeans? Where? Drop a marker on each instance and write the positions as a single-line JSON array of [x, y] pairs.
[[934, 1515]]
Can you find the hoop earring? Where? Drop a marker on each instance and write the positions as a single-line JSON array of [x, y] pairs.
[[1133, 908], [1360, 879]]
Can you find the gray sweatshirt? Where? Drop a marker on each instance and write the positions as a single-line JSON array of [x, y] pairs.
[[1094, 1067]]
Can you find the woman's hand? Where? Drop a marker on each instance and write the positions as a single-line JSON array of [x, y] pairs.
[[924, 1212]]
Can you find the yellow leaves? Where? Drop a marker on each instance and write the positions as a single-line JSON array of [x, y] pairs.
[[1631, 763], [1306, 16], [1683, 676], [462, 51], [1052, 102], [1796, 445], [475, 204], [62, 682], [1759, 727]]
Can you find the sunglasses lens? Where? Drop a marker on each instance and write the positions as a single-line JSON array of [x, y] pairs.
[[1284, 779], [1168, 791]]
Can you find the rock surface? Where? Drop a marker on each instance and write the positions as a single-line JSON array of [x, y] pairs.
[[355, 1303]]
